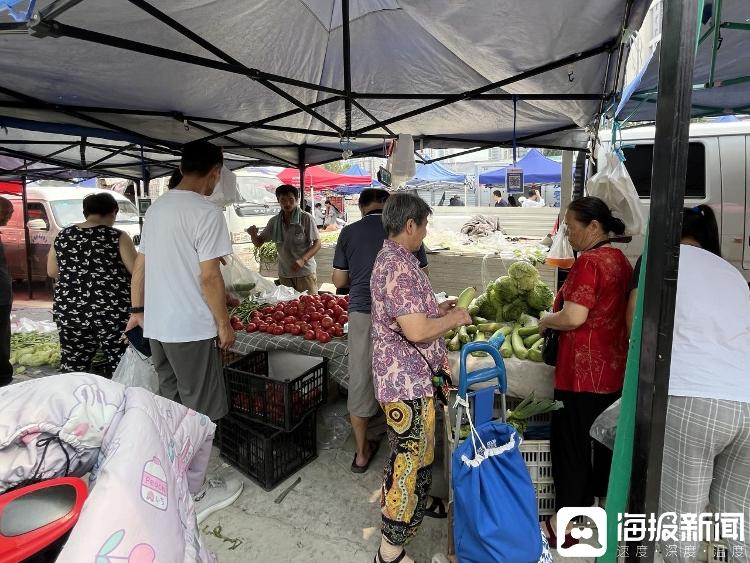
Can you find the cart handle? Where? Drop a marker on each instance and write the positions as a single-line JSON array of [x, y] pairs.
[[484, 374]]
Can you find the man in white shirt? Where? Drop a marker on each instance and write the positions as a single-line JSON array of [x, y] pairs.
[[534, 200], [178, 298]]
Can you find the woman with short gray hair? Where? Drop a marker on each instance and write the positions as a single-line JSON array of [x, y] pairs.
[[408, 351]]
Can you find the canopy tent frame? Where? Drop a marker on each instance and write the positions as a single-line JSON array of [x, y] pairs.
[[713, 32], [44, 23]]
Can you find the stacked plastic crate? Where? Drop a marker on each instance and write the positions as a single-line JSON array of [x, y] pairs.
[[270, 431]]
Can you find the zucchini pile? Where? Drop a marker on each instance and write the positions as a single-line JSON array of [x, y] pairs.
[[520, 339]]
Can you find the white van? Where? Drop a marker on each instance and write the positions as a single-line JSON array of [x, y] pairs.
[[258, 206], [51, 208], [718, 174]]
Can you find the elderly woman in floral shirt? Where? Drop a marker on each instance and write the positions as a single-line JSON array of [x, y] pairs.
[[408, 348]]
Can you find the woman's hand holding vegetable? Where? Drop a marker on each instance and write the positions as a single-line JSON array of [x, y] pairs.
[[446, 306]]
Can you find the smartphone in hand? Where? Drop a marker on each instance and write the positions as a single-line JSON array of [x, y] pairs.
[[135, 337]]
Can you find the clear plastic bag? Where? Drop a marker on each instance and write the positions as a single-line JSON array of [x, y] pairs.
[[240, 281], [612, 184], [604, 428], [561, 252], [135, 370]]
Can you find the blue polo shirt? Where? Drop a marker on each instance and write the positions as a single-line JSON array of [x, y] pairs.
[[357, 247]]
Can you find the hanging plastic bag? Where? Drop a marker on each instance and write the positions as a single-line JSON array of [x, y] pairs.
[[226, 191], [240, 281], [561, 252], [279, 294], [495, 515], [136, 370], [401, 163], [613, 185]]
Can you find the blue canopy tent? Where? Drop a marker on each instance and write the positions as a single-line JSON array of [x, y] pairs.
[[537, 169], [434, 173]]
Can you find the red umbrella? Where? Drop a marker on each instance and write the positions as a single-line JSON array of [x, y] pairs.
[[319, 177]]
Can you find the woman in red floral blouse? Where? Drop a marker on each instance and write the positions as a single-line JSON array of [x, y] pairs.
[[593, 348]]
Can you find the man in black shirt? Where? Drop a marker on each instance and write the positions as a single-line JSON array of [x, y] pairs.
[[357, 247], [6, 301]]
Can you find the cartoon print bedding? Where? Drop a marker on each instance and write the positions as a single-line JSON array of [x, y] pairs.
[[145, 455]]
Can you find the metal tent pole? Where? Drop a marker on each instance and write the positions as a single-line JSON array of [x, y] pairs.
[[27, 236], [301, 165], [667, 199]]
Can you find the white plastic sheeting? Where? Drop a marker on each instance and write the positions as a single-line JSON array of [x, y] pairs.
[[397, 46]]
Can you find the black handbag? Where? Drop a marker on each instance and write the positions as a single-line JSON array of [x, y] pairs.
[[551, 344]]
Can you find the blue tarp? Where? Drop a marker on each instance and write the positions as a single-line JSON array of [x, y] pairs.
[[537, 169], [725, 96], [356, 170], [435, 173]]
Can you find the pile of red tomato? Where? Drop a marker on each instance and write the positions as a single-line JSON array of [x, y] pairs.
[[314, 317]]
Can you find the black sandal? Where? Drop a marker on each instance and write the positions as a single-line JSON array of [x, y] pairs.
[[374, 446], [436, 509], [379, 557]]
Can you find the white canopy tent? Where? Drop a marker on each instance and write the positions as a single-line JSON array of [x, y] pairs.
[[294, 82]]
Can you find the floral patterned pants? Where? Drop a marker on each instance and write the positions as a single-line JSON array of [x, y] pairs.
[[408, 472]]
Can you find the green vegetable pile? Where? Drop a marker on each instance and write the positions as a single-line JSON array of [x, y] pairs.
[[509, 297], [521, 339], [266, 254], [245, 309], [520, 416], [34, 349], [530, 407]]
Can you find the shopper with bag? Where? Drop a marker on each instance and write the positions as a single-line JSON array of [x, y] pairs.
[[589, 315], [706, 464], [178, 298], [408, 351]]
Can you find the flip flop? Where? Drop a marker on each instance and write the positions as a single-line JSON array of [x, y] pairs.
[[570, 541], [436, 509], [374, 446]]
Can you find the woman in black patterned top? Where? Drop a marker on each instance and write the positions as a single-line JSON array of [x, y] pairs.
[[92, 263]]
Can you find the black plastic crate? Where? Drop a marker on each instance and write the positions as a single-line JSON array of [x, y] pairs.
[[267, 455], [276, 388]]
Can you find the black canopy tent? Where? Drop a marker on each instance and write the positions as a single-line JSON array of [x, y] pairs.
[[548, 111]]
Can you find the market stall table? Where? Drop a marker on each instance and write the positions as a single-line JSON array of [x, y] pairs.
[[523, 376]]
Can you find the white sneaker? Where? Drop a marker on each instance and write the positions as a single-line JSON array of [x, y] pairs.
[[216, 493]]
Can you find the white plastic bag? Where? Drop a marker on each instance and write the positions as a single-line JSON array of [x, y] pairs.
[[135, 370], [226, 191], [561, 252], [613, 185], [279, 294], [24, 325], [401, 163]]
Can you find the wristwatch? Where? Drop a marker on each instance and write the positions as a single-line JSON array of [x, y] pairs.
[[136, 309]]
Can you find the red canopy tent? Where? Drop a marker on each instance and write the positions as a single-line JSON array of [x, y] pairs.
[[319, 177]]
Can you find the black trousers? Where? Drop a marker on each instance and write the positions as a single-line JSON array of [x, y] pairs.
[[580, 465], [6, 369]]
